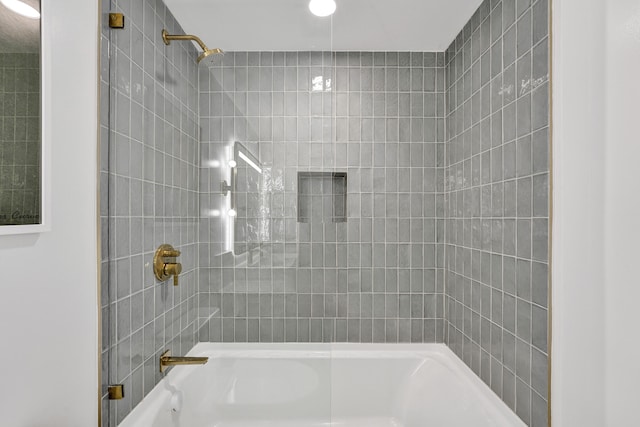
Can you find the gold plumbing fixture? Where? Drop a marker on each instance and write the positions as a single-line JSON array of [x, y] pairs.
[[166, 37], [116, 20], [116, 392], [165, 264], [167, 361]]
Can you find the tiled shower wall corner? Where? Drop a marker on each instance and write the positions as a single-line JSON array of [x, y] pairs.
[[497, 201], [468, 208], [19, 138], [377, 277], [149, 196]]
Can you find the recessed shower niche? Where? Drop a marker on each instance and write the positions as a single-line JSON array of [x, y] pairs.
[[322, 197]]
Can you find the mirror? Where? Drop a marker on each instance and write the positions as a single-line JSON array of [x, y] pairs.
[[248, 201], [21, 150]]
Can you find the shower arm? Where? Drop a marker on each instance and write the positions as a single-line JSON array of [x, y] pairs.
[[166, 37]]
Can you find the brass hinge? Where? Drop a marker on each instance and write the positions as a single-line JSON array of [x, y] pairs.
[[116, 392], [116, 20]]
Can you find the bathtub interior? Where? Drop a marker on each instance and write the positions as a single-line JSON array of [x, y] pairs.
[[333, 385]]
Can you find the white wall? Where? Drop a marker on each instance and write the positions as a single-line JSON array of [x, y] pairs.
[[48, 314], [578, 217], [48, 310], [622, 210], [596, 288]]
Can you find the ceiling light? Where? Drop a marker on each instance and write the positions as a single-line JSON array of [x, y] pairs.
[[21, 8], [322, 7]]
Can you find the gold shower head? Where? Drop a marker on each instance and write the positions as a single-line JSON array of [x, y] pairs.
[[214, 51], [166, 37]]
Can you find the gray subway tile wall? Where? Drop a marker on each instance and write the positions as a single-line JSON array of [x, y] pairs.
[[149, 196], [379, 118], [19, 138], [497, 201], [446, 238]]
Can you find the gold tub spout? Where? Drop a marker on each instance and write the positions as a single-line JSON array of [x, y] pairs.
[[167, 361]]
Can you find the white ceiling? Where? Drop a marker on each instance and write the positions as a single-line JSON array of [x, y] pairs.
[[17, 33], [357, 25]]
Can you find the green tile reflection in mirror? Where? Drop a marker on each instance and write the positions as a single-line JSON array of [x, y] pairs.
[[20, 137]]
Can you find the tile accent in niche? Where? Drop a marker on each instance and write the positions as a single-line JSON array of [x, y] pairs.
[[322, 197]]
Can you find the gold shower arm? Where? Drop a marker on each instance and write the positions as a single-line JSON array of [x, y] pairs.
[[166, 37]]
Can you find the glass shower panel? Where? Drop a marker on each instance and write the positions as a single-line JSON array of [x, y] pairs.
[[151, 188], [105, 265], [266, 115], [206, 157]]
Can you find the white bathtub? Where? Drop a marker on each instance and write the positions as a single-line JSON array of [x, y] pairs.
[[314, 385]]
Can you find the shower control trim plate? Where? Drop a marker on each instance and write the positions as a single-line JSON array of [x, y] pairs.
[[165, 264]]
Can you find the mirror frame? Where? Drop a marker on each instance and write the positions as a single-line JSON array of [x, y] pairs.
[[45, 126]]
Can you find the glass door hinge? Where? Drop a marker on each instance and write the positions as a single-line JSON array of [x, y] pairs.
[[116, 392]]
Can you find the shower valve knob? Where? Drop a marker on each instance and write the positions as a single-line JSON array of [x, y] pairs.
[[173, 270]]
